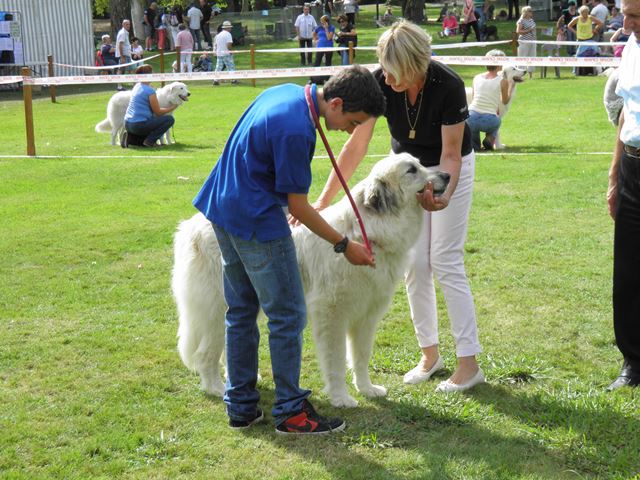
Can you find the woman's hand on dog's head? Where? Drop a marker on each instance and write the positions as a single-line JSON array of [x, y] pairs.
[[431, 202]]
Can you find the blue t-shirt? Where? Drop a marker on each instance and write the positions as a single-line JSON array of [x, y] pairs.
[[139, 109], [267, 156], [323, 41]]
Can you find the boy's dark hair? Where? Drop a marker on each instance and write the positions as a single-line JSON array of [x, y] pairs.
[[144, 69], [358, 90]]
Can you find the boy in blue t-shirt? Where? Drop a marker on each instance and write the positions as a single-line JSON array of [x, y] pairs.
[[265, 168]]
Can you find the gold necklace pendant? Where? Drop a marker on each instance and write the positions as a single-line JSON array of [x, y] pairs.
[[412, 126]]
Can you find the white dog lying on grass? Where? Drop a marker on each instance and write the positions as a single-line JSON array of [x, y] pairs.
[[344, 302], [175, 93]]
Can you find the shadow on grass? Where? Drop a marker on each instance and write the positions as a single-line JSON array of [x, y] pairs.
[[599, 439], [436, 439]]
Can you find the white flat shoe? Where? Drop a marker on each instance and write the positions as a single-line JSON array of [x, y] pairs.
[[448, 387], [418, 375]]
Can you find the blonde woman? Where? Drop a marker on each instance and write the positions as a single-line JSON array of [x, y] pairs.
[[583, 27], [526, 30], [426, 113]]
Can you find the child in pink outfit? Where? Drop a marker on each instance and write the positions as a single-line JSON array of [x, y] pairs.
[[184, 40]]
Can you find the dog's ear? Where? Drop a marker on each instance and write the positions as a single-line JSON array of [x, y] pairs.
[[379, 196]]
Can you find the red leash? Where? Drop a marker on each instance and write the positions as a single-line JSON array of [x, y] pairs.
[[316, 120]]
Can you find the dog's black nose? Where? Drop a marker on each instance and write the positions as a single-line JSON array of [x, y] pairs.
[[188, 94]]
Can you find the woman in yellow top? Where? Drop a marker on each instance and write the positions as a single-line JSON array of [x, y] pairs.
[[582, 25]]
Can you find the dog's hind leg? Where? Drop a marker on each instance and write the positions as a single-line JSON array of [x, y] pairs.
[[361, 338], [330, 340]]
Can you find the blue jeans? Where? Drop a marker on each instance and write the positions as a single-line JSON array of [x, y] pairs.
[[482, 122], [152, 129], [262, 275], [195, 34]]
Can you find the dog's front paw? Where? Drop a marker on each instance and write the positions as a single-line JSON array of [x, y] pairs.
[[215, 388], [373, 391], [343, 401]]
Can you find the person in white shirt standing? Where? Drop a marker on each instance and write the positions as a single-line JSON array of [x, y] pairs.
[[601, 12], [222, 46], [194, 14], [123, 47], [305, 25], [623, 198]]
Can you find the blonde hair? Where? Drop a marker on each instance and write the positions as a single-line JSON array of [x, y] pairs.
[[404, 51], [583, 8], [524, 11], [326, 18]]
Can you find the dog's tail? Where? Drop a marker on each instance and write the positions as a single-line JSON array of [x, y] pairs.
[[197, 288], [104, 126]]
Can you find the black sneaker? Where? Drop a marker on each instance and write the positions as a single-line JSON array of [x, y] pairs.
[[242, 424], [487, 144], [308, 422]]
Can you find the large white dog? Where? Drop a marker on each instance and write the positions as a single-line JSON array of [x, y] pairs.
[[344, 302], [175, 93]]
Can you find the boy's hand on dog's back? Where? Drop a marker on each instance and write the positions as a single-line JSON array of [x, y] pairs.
[[357, 254]]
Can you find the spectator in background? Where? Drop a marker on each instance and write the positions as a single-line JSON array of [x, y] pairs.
[[175, 19], [514, 5], [346, 34], [601, 12], [108, 52], [204, 24], [149, 23], [567, 15], [616, 19], [194, 14], [203, 64], [185, 42], [123, 47], [443, 12], [449, 26], [350, 8], [323, 38], [305, 25], [620, 35], [222, 46], [582, 26], [469, 21], [526, 30], [137, 52]]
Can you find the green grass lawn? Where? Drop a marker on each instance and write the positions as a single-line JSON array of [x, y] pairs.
[[91, 385]]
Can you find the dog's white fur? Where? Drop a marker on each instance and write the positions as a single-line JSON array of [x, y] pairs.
[[509, 72], [344, 302], [175, 93]]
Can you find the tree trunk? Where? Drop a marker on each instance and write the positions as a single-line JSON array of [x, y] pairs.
[[137, 15], [245, 6], [414, 11], [118, 11]]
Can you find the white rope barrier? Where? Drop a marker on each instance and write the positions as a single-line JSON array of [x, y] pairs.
[[566, 42], [107, 67]]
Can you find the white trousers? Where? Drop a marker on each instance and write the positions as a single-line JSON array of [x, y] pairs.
[[439, 253], [527, 50], [185, 62]]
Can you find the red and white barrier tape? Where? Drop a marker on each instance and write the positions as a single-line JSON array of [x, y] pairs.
[[309, 71], [13, 79], [566, 42]]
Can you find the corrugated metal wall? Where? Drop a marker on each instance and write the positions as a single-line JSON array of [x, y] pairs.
[[61, 28]]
